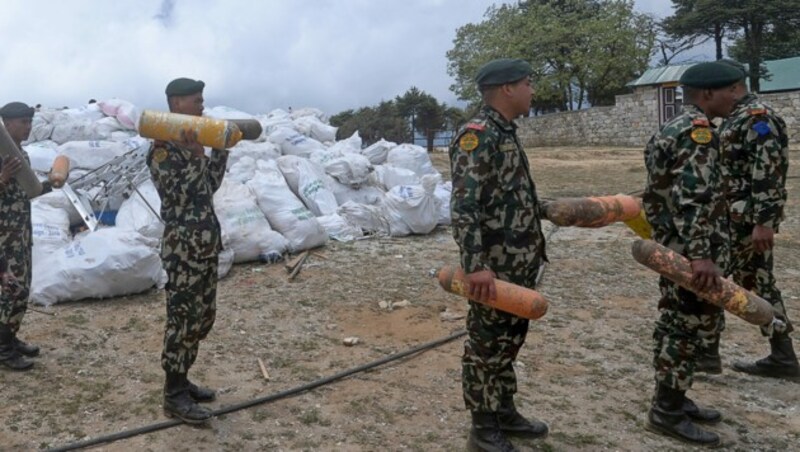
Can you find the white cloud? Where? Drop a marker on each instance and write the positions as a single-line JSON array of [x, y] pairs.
[[253, 55]]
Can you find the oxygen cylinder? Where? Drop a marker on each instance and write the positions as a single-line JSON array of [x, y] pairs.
[[731, 297], [511, 298], [251, 128], [25, 176], [215, 133], [59, 172], [592, 212], [640, 226]]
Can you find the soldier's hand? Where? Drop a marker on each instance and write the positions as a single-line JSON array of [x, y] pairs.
[[10, 169], [481, 286], [705, 275], [763, 238], [189, 141]]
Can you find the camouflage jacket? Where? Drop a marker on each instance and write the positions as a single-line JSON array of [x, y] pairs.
[[186, 185], [15, 207], [494, 207], [683, 200], [755, 152]]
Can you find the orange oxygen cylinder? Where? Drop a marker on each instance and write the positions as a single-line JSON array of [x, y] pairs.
[[25, 176], [216, 133], [731, 297], [511, 298], [251, 128], [592, 212], [640, 226], [59, 172]]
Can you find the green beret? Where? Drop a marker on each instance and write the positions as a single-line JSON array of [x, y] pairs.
[[711, 75], [502, 71], [735, 64], [184, 87], [16, 110]]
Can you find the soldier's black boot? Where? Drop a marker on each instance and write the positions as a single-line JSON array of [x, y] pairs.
[[700, 415], [709, 360], [781, 362], [24, 348], [9, 355], [513, 423], [667, 417], [200, 394], [486, 436], [178, 403]]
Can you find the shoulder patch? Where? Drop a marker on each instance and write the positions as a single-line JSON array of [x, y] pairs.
[[160, 154], [701, 122], [702, 135], [756, 110], [469, 142], [476, 126], [762, 128]]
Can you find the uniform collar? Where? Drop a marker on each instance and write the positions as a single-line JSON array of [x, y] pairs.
[[498, 119], [744, 103]]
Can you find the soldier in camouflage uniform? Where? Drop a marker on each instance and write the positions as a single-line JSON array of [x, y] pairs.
[[755, 148], [16, 241], [495, 215], [684, 204], [186, 181]]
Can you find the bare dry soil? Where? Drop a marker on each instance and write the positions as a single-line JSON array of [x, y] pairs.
[[585, 368]]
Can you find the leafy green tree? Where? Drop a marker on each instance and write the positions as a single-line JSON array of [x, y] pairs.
[[582, 51], [372, 123], [698, 19], [424, 113]]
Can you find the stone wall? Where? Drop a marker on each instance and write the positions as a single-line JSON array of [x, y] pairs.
[[630, 122]]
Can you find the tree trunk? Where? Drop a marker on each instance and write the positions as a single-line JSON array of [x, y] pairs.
[[719, 33], [430, 135]]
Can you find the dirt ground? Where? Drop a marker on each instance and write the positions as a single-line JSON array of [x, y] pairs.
[[585, 368]]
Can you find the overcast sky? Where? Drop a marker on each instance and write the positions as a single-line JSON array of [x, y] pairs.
[[253, 55]]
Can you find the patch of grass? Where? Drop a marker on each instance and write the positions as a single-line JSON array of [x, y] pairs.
[[76, 319]]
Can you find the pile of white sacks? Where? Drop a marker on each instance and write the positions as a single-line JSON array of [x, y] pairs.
[[292, 189]]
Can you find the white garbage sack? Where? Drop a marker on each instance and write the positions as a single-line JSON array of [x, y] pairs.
[[134, 213], [293, 142], [256, 150], [273, 120], [308, 111], [377, 152], [105, 128], [415, 205], [224, 261], [350, 145], [58, 200], [223, 112], [50, 226], [443, 192], [349, 169], [411, 157], [91, 154], [285, 212], [310, 183], [372, 219], [312, 127], [41, 126], [389, 176], [123, 111], [338, 228], [366, 194], [242, 171], [73, 129], [41, 156], [248, 233], [106, 263]]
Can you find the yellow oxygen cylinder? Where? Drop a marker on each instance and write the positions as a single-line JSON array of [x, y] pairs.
[[25, 176], [640, 226], [59, 172], [215, 133]]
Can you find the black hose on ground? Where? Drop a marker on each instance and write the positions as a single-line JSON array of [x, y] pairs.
[[261, 400]]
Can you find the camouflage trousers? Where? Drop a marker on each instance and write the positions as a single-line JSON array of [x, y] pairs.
[[495, 338], [191, 310], [16, 246], [686, 326], [753, 271]]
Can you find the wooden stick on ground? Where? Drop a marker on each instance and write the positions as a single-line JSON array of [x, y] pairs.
[[299, 265], [292, 264], [263, 369]]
